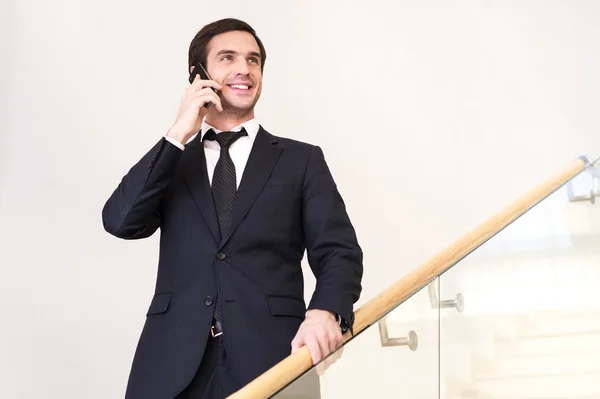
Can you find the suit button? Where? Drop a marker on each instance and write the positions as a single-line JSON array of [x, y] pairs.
[[220, 255], [208, 301]]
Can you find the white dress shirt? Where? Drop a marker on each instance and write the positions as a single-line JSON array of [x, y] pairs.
[[239, 151]]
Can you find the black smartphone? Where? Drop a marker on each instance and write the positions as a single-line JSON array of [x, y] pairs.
[[200, 70]]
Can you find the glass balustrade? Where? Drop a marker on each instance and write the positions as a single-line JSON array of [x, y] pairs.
[[518, 317]]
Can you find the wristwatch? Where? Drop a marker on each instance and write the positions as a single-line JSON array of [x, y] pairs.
[[344, 325]]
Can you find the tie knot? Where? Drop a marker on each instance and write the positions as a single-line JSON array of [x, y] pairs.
[[225, 139]]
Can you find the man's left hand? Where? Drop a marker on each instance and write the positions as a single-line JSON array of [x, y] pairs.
[[320, 333]]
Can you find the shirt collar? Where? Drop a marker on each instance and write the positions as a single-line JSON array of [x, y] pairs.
[[252, 126]]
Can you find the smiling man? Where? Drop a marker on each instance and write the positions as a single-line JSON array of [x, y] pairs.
[[237, 208]]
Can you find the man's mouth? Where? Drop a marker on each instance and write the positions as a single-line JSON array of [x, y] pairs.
[[240, 87]]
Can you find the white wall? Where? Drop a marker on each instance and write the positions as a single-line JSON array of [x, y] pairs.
[[431, 117]]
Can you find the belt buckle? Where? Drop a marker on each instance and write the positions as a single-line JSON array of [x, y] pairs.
[[212, 332]]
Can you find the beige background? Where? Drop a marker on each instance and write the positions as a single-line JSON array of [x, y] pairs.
[[431, 117]]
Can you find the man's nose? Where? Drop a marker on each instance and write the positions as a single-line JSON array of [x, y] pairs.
[[241, 68]]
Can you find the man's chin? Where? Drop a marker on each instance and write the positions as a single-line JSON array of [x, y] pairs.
[[239, 107]]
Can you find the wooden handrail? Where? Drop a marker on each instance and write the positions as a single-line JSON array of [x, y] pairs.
[[294, 365]]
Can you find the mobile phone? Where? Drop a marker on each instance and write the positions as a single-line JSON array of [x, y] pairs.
[[200, 70]]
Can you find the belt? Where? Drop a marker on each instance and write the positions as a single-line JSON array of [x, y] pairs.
[[216, 329]]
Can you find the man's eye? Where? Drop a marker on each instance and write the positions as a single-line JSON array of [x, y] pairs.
[[253, 60], [226, 58]]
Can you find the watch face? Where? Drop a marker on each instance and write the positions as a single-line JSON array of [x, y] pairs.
[[344, 326]]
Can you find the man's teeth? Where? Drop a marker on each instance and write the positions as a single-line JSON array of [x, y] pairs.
[[243, 87]]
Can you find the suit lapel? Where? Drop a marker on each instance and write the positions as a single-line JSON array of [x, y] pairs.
[[196, 179], [262, 159]]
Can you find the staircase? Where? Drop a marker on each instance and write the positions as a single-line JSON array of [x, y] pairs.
[[552, 355], [509, 311]]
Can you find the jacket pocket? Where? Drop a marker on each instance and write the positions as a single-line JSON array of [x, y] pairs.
[[284, 306], [160, 304], [281, 181]]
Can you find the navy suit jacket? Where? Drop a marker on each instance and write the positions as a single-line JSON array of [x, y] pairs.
[[287, 203]]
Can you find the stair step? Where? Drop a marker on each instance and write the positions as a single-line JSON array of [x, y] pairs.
[[549, 344], [504, 367], [543, 323], [453, 388], [559, 386]]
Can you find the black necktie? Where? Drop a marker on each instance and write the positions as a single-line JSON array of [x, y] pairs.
[[224, 185]]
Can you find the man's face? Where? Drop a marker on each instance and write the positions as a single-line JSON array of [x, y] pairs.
[[234, 61]]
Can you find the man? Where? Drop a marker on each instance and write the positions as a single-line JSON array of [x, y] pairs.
[[237, 207]]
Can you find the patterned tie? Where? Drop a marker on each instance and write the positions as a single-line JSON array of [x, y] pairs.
[[224, 185]]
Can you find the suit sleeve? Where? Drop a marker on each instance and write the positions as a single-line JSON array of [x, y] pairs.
[[334, 254], [133, 209]]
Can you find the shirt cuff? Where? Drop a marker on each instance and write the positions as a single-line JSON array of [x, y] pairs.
[[175, 143]]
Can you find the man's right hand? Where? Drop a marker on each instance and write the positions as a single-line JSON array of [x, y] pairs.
[[192, 110]]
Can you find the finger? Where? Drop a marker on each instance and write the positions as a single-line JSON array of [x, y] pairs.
[[206, 96], [324, 345], [216, 100], [192, 87], [332, 339], [218, 104], [201, 92], [333, 342], [199, 84], [340, 352], [320, 369], [339, 339], [314, 348], [296, 344]]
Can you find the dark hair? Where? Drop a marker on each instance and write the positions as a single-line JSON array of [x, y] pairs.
[[199, 46]]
